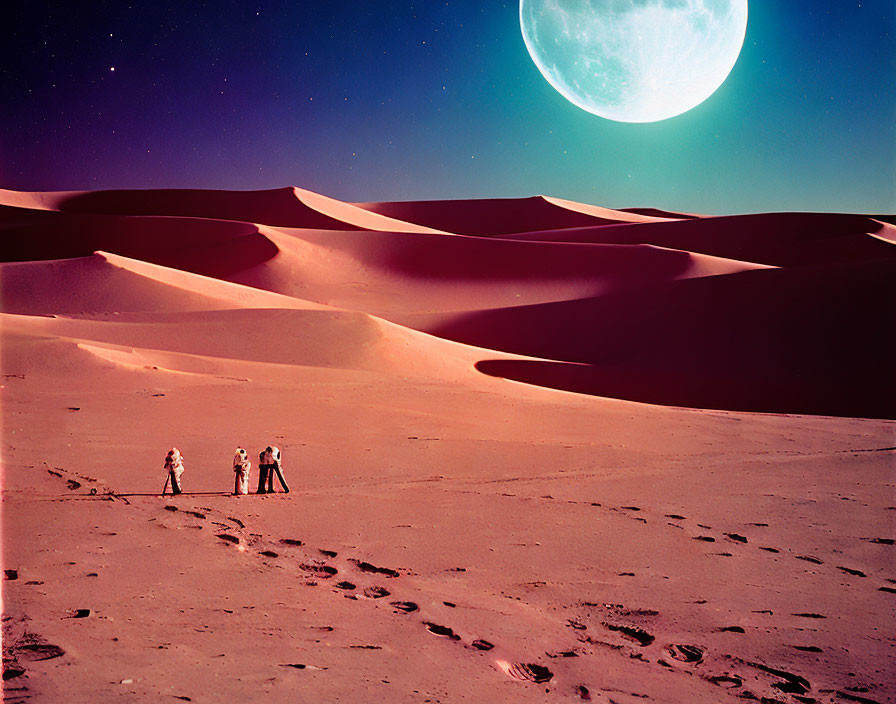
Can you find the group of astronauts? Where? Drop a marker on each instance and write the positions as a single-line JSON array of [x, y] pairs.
[[269, 464]]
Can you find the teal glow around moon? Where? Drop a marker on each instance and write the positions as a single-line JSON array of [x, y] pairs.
[[634, 60]]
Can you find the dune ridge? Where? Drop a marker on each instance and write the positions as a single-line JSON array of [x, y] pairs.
[[497, 216]]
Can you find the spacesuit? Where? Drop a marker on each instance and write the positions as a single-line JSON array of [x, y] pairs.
[[241, 467], [264, 475], [174, 463], [271, 458]]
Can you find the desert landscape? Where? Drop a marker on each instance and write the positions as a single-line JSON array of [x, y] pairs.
[[538, 451]]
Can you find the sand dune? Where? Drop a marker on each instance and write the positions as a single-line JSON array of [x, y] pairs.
[[538, 451], [706, 343], [108, 283], [288, 207], [395, 275], [776, 239], [503, 215]]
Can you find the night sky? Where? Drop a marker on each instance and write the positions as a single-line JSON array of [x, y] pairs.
[[395, 100]]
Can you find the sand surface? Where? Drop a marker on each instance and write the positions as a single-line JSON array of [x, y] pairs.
[[537, 450]]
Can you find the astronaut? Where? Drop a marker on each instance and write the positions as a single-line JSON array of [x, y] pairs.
[[174, 464], [271, 458], [264, 473], [241, 467]]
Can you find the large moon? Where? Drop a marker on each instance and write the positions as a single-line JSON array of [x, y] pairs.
[[634, 60]]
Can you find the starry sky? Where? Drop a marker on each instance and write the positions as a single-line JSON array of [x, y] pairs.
[[396, 100]]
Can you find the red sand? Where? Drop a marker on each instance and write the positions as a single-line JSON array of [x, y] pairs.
[[608, 549]]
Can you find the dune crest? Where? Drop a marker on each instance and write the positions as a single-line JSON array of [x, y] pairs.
[[606, 213]]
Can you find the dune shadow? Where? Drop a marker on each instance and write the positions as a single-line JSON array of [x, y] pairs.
[[277, 207], [688, 389], [208, 247], [807, 340]]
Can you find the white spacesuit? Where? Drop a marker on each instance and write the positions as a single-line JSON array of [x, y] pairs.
[[174, 464], [270, 459], [241, 467]]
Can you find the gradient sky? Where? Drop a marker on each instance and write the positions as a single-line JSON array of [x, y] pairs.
[[397, 100]]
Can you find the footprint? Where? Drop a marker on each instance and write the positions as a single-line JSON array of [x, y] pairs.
[[34, 648], [854, 698], [792, 684], [622, 611], [526, 671], [367, 567], [406, 606], [375, 592], [322, 571], [726, 681], [807, 558], [639, 635], [37, 651], [685, 653], [443, 631]]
